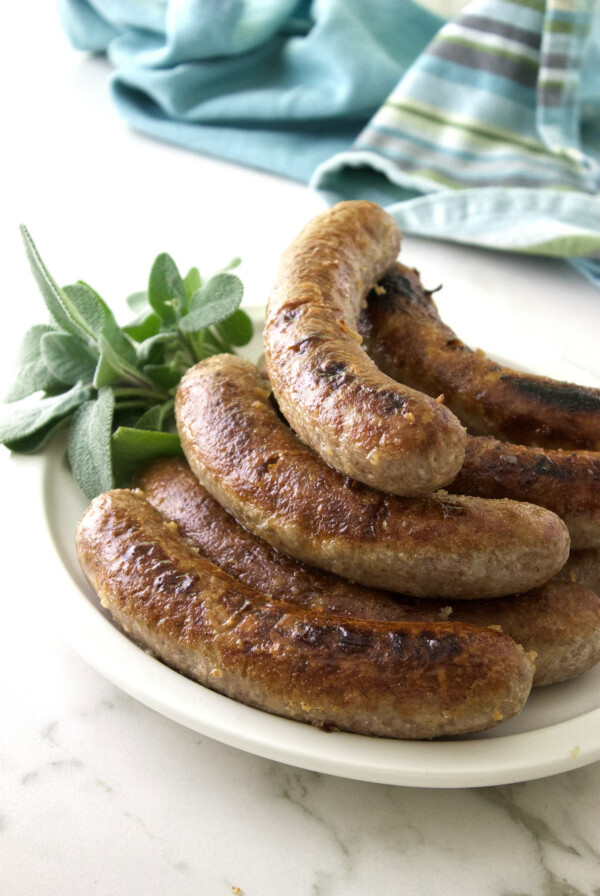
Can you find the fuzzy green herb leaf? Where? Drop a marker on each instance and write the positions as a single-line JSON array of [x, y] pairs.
[[133, 447], [88, 304], [213, 302], [68, 359], [145, 325], [86, 373], [166, 289], [138, 301], [22, 418], [236, 329], [192, 281], [32, 375], [42, 437], [89, 449], [63, 311], [159, 418]]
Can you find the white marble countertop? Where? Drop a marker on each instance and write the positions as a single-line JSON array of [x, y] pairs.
[[101, 794]]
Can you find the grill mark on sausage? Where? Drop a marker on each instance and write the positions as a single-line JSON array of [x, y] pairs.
[[304, 345], [334, 374], [403, 333], [327, 670], [567, 396], [329, 390], [560, 622], [436, 545]]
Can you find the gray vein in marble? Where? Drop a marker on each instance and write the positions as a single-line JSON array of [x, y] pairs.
[[296, 786], [178, 865], [30, 777], [48, 732], [504, 798], [543, 837], [104, 785], [298, 793], [554, 887]]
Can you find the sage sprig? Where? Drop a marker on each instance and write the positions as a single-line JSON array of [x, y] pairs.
[[114, 387]]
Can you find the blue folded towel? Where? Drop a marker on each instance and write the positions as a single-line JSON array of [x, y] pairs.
[[484, 130]]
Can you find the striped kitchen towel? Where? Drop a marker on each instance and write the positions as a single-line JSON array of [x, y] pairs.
[[492, 137], [490, 133]]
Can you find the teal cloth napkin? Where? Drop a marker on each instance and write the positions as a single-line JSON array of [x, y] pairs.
[[483, 130]]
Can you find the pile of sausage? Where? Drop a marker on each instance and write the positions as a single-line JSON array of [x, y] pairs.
[[337, 549]]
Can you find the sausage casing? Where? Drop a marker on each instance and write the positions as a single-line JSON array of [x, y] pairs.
[[442, 545], [566, 482], [560, 623], [582, 568], [404, 335], [388, 679], [359, 420]]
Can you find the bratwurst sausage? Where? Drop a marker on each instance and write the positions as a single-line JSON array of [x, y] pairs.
[[388, 679], [566, 482], [560, 623], [404, 335], [442, 545], [582, 568], [334, 397]]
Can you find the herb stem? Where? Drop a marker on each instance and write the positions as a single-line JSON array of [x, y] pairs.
[[132, 403], [215, 341], [143, 393]]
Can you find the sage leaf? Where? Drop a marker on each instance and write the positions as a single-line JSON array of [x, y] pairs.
[[134, 447], [164, 375], [144, 326], [192, 281], [32, 375], [213, 302], [234, 263], [90, 450], [107, 325], [62, 310], [22, 418], [113, 368], [117, 338], [157, 418], [156, 349], [38, 440], [89, 305], [138, 301], [86, 373], [236, 329], [68, 358], [166, 289]]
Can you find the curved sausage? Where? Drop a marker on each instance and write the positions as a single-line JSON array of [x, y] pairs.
[[360, 421], [582, 568], [566, 482], [442, 546], [405, 337], [387, 679], [560, 623]]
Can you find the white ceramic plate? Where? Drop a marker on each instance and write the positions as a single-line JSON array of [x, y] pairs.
[[558, 730]]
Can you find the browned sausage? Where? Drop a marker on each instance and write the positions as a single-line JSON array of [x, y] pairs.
[[389, 679], [567, 482], [360, 421], [582, 568], [560, 623], [404, 335], [252, 463]]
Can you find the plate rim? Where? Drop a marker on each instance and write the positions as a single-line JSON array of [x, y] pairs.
[[432, 764]]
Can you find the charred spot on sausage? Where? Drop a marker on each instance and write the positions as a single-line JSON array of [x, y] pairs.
[[563, 395], [335, 374]]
